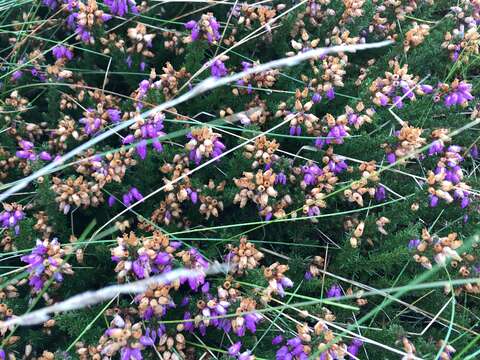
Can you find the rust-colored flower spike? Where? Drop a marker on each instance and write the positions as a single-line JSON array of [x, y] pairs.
[[169, 211], [277, 281], [395, 87], [112, 168], [57, 70], [251, 14], [121, 335], [42, 225], [409, 348], [243, 257], [357, 234], [363, 73], [358, 116], [443, 251], [155, 300], [462, 45], [256, 112], [76, 192], [409, 140], [447, 352], [305, 334], [46, 355], [172, 347], [33, 132], [403, 8], [141, 41], [7, 163], [256, 187], [172, 41], [303, 42], [381, 223], [262, 152], [365, 186], [66, 130], [111, 42], [353, 9], [170, 79], [89, 15], [264, 80], [87, 352], [342, 36], [314, 268], [327, 336], [229, 290], [277, 209], [300, 114], [210, 206], [381, 25], [330, 73], [415, 36], [16, 102], [178, 167], [10, 291], [6, 313], [7, 243]]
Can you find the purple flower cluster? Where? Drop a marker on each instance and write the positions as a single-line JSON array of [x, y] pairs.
[[412, 244], [121, 7], [150, 128], [451, 171], [192, 195], [380, 193], [77, 22], [44, 262], [27, 152], [335, 291], [354, 348], [207, 147], [250, 322], [310, 174], [208, 25], [52, 4], [460, 94], [335, 135], [197, 262], [146, 262], [436, 147], [293, 349], [62, 52], [218, 69], [234, 351], [337, 165], [295, 130], [397, 93], [142, 90], [93, 121], [131, 196], [213, 311], [330, 94], [281, 178], [245, 66], [11, 219]]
